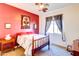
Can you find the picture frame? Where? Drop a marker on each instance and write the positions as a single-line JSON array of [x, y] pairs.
[[25, 22], [7, 25]]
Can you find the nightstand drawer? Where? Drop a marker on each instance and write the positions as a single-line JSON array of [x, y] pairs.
[[8, 46]]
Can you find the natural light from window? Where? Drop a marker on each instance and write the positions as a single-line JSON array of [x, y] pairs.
[[53, 28]]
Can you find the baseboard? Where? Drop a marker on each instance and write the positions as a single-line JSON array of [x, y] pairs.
[[59, 46]]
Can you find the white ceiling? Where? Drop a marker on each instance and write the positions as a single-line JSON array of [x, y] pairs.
[[31, 7]]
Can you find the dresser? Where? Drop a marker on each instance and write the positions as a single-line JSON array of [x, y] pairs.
[[7, 45]]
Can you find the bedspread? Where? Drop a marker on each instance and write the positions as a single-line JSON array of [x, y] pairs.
[[26, 42]]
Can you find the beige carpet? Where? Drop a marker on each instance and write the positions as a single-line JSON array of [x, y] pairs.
[[17, 52], [54, 51]]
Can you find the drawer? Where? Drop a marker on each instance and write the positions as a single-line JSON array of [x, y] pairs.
[[7, 46]]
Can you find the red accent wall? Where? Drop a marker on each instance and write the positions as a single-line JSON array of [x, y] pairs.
[[12, 15]]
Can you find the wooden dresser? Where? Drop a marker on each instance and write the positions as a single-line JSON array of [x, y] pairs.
[[7, 44]]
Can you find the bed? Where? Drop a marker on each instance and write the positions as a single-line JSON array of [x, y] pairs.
[[33, 42]]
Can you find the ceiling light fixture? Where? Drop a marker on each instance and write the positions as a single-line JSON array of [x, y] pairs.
[[42, 6]]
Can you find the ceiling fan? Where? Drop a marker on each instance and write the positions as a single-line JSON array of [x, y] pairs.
[[42, 6]]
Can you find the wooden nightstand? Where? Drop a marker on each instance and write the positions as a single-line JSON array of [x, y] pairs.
[[7, 44]]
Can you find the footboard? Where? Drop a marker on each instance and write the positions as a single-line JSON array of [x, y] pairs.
[[39, 44], [33, 42]]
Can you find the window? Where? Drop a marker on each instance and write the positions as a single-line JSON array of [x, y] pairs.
[[53, 28]]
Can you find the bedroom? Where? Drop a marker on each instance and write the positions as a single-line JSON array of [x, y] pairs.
[[17, 19]]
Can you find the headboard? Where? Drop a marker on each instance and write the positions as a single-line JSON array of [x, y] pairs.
[[23, 33]]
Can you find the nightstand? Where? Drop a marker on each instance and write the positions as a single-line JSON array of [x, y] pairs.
[[7, 45]]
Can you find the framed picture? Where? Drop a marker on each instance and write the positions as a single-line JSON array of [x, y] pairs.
[[7, 25], [25, 22]]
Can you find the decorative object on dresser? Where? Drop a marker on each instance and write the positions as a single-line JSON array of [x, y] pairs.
[[8, 37], [7, 45]]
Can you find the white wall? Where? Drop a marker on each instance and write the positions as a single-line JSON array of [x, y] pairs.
[[70, 22]]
